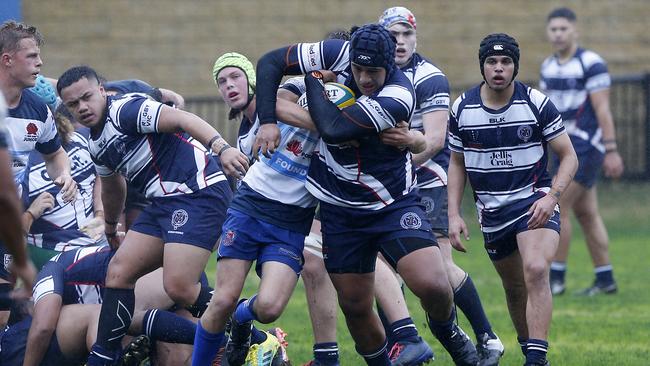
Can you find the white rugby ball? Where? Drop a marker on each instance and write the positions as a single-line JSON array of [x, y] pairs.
[[338, 94]]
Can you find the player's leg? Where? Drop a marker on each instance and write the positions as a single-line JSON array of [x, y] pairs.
[[279, 262], [210, 331], [356, 296], [419, 262], [588, 215], [537, 248], [574, 193], [321, 300], [138, 254], [405, 344], [322, 305]]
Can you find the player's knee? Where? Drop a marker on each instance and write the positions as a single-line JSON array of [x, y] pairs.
[[432, 288], [314, 268], [223, 303], [180, 293], [355, 308], [119, 275], [536, 272], [268, 310]]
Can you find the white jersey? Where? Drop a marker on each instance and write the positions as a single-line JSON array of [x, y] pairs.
[[29, 126]]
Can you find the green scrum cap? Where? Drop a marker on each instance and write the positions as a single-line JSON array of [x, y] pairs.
[[234, 59]]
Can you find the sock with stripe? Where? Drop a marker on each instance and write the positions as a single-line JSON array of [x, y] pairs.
[[404, 330], [326, 353], [467, 299], [378, 357], [536, 350]]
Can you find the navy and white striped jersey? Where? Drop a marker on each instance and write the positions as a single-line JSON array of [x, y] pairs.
[[156, 164], [58, 227], [78, 276], [505, 151], [372, 175], [431, 94], [29, 126], [568, 85]]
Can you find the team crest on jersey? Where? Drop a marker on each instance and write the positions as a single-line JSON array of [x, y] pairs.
[[525, 133], [228, 238], [410, 220], [32, 131], [120, 146], [295, 147], [179, 218], [429, 204]]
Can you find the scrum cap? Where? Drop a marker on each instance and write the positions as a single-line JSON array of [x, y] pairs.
[[234, 59], [499, 44], [372, 45]]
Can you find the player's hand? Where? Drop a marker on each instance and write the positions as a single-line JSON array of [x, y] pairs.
[[457, 227], [328, 76], [68, 187], [27, 274], [115, 239], [399, 136], [94, 228], [613, 165], [266, 140], [42, 203], [541, 211], [234, 162]]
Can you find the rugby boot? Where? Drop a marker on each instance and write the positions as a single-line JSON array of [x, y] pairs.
[[284, 344], [460, 347], [546, 363], [136, 352], [263, 354], [557, 287], [490, 350], [405, 353], [599, 288], [318, 363], [239, 342]]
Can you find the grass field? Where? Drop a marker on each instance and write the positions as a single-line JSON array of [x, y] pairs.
[[605, 330]]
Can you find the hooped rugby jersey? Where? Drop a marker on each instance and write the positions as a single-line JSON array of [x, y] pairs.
[[372, 175], [505, 151], [431, 94], [58, 227], [30, 125], [156, 164], [273, 189], [568, 85], [78, 276]]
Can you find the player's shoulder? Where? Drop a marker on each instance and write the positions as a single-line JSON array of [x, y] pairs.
[[589, 57]]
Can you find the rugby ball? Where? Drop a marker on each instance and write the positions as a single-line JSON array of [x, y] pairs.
[[338, 94]]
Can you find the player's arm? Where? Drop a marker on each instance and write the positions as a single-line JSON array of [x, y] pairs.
[[170, 96], [613, 163], [171, 120], [58, 167], [113, 195], [44, 321], [456, 178], [542, 209], [10, 212], [435, 133], [335, 126]]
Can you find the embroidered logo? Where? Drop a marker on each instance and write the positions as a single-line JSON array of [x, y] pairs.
[[410, 220], [228, 238], [525, 133], [179, 218], [429, 204], [32, 131]]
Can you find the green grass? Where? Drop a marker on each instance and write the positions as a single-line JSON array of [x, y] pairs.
[[606, 330]]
